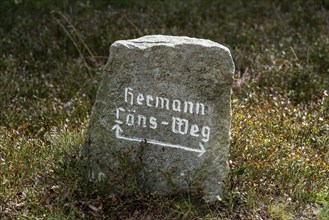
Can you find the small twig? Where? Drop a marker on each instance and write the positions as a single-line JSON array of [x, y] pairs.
[[78, 35], [134, 26], [308, 55], [293, 51], [75, 42]]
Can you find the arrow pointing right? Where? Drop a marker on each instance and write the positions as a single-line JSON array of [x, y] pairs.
[[202, 151]]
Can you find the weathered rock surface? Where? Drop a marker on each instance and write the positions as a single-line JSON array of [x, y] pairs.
[[162, 117]]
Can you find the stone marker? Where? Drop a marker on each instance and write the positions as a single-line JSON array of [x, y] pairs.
[[162, 117]]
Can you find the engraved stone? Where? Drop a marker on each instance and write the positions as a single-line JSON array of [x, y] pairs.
[[162, 117]]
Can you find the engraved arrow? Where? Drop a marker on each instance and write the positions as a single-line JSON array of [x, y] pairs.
[[118, 133]]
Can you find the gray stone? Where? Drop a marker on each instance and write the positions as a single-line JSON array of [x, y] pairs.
[[162, 117]]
